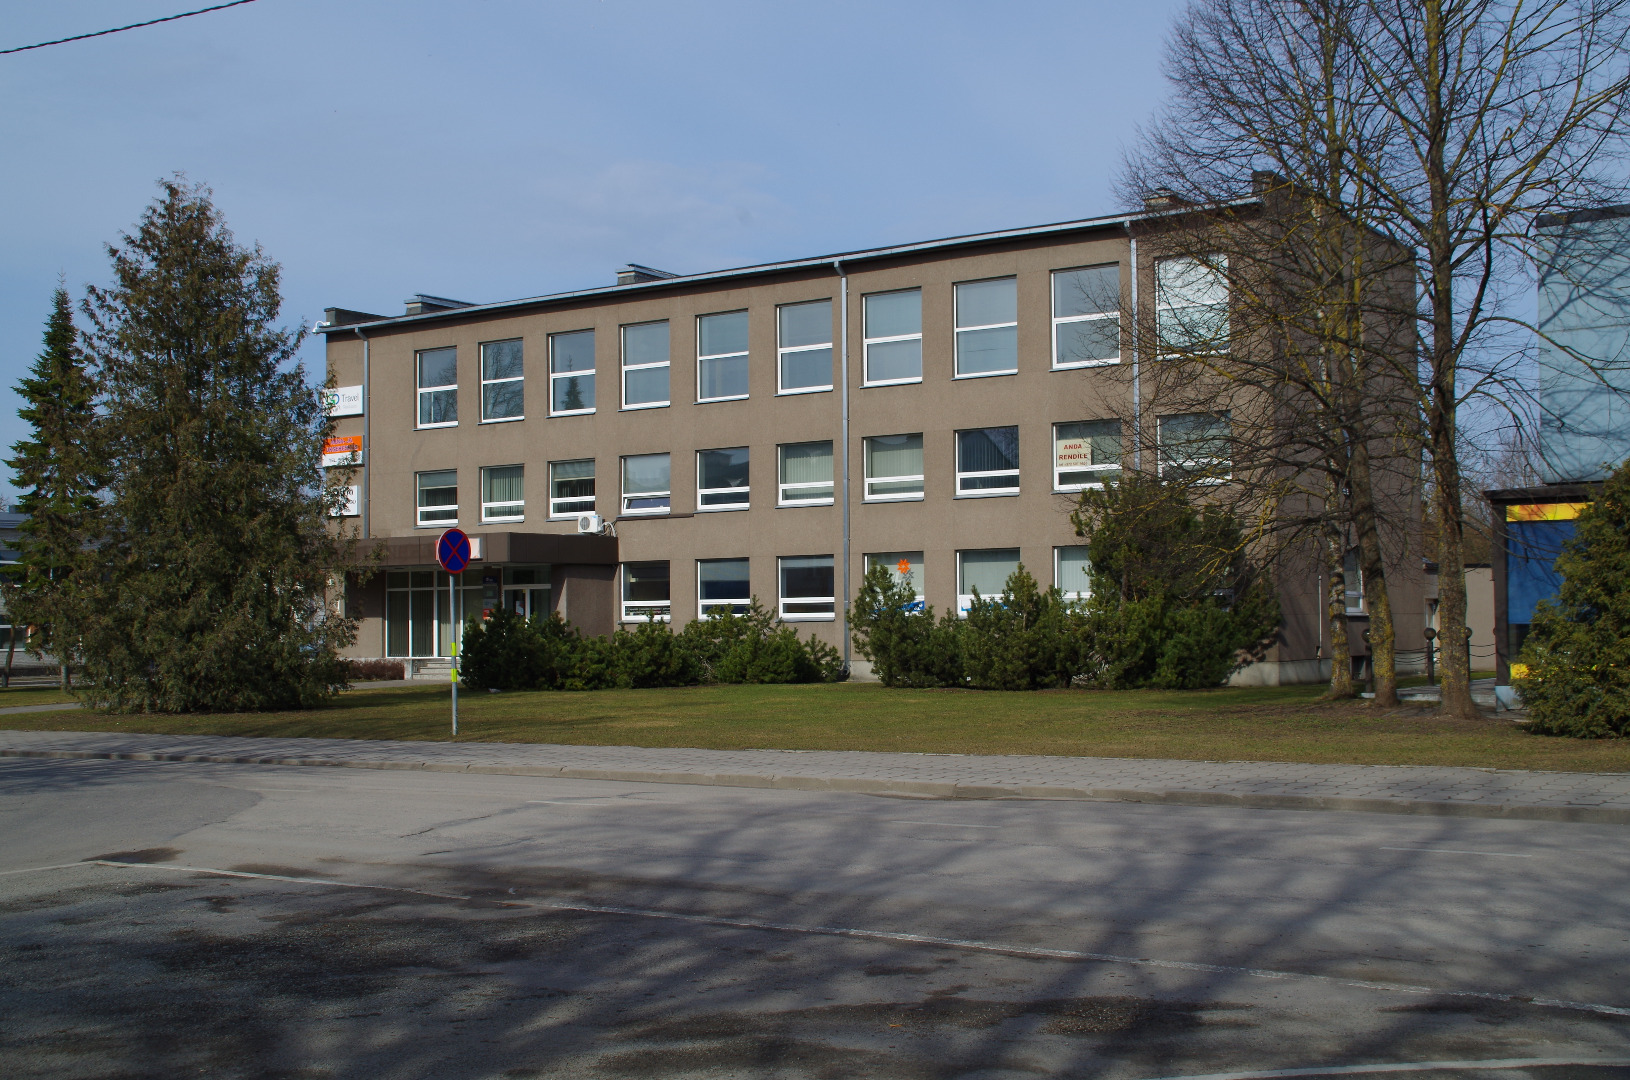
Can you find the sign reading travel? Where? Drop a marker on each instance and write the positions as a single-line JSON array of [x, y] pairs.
[[453, 551], [341, 400], [342, 450]]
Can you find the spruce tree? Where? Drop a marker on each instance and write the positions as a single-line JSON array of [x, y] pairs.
[[57, 466], [216, 558], [1578, 651]]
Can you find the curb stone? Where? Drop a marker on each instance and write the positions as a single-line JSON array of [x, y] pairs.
[[948, 789]]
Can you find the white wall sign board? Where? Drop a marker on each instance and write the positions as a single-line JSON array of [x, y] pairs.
[[342, 450], [352, 506], [342, 400]]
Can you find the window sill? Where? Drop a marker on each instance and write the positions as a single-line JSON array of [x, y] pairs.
[[1006, 493], [574, 412], [985, 374], [723, 509], [716, 400], [430, 427], [642, 408], [892, 498], [444, 525], [644, 513], [801, 502], [1072, 489], [804, 390], [504, 420], [892, 382], [1086, 364], [809, 618], [503, 521]]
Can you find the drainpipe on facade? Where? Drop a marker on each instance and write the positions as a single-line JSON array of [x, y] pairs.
[[843, 353], [1137, 381]]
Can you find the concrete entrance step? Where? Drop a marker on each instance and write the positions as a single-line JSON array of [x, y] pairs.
[[432, 667]]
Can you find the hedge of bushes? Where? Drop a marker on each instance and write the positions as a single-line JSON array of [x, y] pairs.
[[507, 652], [1176, 604]]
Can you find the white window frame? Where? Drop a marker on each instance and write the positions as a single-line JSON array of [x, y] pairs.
[[486, 382], [865, 458], [419, 510], [743, 603], [873, 558], [983, 493], [625, 494], [702, 358], [1353, 585], [554, 510], [421, 391], [653, 610], [958, 330], [626, 367], [1162, 460], [1162, 305], [888, 339], [781, 489], [742, 504], [783, 599], [592, 373], [1058, 473], [1060, 320], [964, 600], [1058, 572], [782, 352], [489, 518]]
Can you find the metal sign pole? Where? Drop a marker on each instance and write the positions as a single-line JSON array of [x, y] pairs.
[[452, 642]]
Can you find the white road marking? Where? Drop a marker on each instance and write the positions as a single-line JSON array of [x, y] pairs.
[[1458, 851], [970, 945], [1407, 1066], [947, 824], [42, 869]]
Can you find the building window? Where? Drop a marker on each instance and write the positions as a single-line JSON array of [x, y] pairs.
[[904, 566], [571, 373], [721, 479], [1352, 571], [987, 327], [1191, 305], [438, 387], [807, 590], [417, 620], [645, 365], [722, 584], [1072, 572], [571, 488], [645, 592], [502, 385], [894, 467], [1087, 316], [501, 494], [987, 461], [984, 572], [806, 473], [1086, 454], [438, 497], [894, 337], [721, 356], [1194, 448], [804, 349], [645, 484]]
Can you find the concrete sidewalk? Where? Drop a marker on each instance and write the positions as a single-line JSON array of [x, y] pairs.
[[1544, 796]]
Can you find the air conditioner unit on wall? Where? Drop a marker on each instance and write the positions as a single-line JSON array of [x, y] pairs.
[[589, 523]]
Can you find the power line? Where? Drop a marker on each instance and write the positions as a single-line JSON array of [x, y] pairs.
[[120, 29]]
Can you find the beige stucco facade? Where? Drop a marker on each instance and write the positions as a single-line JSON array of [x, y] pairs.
[[940, 524]]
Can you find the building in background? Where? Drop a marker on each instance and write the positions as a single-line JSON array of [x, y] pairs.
[[1584, 402], [667, 445]]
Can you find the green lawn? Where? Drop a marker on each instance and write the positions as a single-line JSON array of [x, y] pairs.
[[1248, 724], [31, 695]]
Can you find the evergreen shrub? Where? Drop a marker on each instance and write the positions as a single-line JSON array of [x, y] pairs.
[[1578, 650]]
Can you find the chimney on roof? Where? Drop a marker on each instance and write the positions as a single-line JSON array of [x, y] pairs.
[[420, 304], [634, 274], [1163, 199]]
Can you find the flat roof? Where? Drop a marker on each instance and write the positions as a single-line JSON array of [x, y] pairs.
[[945, 243]]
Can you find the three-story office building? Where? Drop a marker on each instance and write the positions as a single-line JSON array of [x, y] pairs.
[[672, 444]]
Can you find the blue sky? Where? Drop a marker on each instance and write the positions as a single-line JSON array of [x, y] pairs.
[[493, 149]]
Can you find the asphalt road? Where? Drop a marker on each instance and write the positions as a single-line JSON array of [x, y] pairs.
[[170, 920]]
